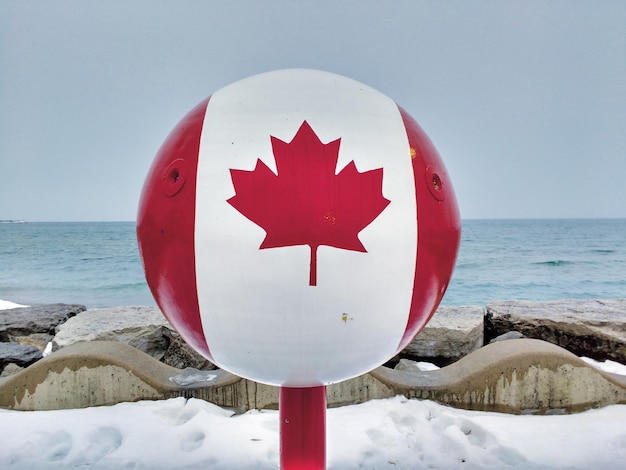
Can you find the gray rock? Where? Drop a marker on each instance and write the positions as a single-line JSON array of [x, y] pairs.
[[509, 335], [140, 327], [182, 356], [592, 328], [406, 364], [40, 340], [11, 369], [414, 366], [452, 333], [36, 319], [20, 354]]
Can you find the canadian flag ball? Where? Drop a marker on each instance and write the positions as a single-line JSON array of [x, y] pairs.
[[298, 228]]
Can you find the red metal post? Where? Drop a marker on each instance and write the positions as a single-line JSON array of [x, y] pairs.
[[302, 414]]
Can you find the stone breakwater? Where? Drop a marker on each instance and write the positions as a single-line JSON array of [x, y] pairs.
[[25, 333], [592, 328], [108, 356]]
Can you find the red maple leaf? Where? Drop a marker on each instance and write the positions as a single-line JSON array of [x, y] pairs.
[[306, 203]]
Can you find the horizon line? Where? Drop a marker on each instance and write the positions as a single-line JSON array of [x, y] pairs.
[[19, 221]]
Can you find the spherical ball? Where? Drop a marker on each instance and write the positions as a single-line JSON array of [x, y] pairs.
[[298, 228]]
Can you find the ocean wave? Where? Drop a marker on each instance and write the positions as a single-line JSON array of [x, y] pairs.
[[556, 262], [130, 286]]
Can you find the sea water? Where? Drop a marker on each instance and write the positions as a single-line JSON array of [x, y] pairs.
[[97, 263], [542, 259], [91, 263]]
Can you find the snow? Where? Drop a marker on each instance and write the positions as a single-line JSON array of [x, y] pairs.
[[425, 366], [47, 350], [394, 433], [607, 366], [6, 305], [192, 376]]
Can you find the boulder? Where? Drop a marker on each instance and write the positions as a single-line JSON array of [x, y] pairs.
[[182, 356], [36, 319], [140, 327], [452, 333], [40, 340], [406, 364], [509, 335], [412, 366], [11, 369], [20, 354], [592, 328]]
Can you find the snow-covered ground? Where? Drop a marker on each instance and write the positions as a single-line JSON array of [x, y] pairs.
[[395, 433]]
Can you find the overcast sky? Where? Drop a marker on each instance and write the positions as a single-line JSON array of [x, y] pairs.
[[525, 100]]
